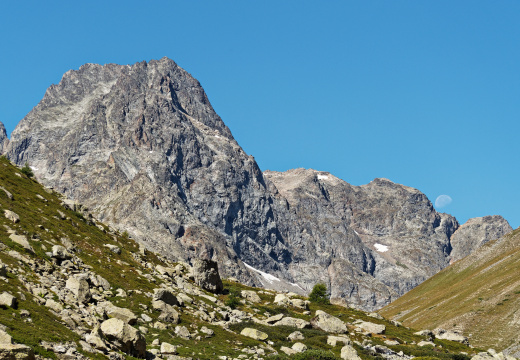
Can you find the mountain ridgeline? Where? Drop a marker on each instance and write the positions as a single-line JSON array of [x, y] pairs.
[[141, 146]]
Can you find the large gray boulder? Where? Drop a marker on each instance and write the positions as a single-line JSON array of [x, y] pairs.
[[254, 334], [205, 273], [9, 300], [328, 323], [79, 287], [126, 338]]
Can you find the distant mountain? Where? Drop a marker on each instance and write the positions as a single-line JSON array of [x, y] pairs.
[[478, 295], [142, 147]]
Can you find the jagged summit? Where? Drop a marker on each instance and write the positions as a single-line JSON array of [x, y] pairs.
[[4, 141], [141, 146]]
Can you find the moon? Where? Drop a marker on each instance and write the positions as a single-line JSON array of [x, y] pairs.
[[442, 201]]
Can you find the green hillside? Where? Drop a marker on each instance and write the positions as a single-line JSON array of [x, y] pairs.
[[478, 295]]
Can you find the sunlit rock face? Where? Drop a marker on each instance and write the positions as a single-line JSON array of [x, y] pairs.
[[142, 147]]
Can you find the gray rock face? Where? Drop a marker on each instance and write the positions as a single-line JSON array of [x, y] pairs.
[[475, 233], [142, 147], [4, 141], [375, 241]]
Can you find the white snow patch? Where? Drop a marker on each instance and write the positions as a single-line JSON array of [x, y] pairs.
[[381, 247], [270, 278], [356, 232], [322, 177], [298, 286], [33, 168], [151, 151]]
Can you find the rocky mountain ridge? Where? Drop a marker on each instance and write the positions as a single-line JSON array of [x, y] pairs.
[[73, 288], [142, 148]]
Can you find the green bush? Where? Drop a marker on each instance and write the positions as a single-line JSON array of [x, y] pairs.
[[233, 298], [27, 171], [319, 294]]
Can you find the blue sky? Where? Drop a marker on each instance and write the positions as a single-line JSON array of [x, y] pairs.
[[425, 93]]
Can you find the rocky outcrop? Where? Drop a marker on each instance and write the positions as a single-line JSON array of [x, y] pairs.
[[328, 323], [4, 141], [142, 147], [476, 232], [125, 337], [206, 275]]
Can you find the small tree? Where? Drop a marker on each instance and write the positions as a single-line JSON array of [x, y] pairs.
[[319, 294], [233, 299], [27, 171]]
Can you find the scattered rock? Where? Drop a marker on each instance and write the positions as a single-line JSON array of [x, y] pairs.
[[349, 353], [293, 322], [165, 295], [12, 216], [124, 337], [299, 347], [425, 343], [328, 323], [168, 349], [115, 249], [79, 287], [334, 340], [294, 336], [274, 318], [254, 334], [119, 313], [371, 327], [251, 296], [7, 193], [182, 332], [450, 335], [16, 352], [9, 300], [5, 338], [60, 252], [21, 240]]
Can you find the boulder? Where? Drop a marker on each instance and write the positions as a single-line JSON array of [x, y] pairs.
[[9, 300], [251, 295], [371, 327], [16, 352], [428, 334], [5, 338], [328, 323], [79, 287], [295, 336], [54, 305], [114, 248], [182, 332], [334, 340], [126, 338], [254, 334], [119, 313], [165, 295], [349, 353], [293, 322], [282, 299], [299, 303], [450, 335], [168, 349], [288, 350], [205, 274], [60, 252], [12, 216], [273, 319], [299, 347], [168, 313], [22, 241]]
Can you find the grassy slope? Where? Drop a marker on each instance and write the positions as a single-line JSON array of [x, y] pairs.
[[478, 295]]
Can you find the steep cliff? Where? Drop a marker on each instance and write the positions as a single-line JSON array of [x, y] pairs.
[[4, 141]]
